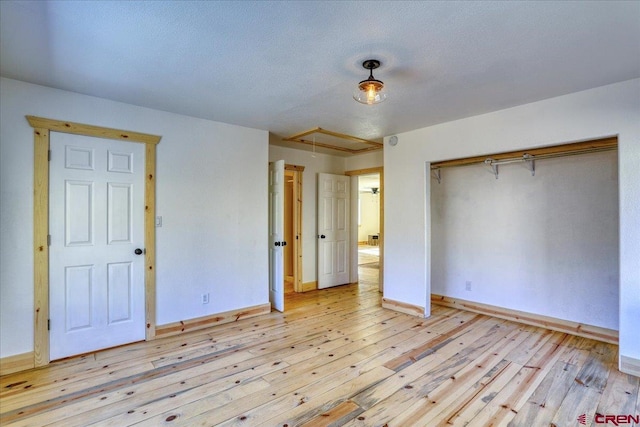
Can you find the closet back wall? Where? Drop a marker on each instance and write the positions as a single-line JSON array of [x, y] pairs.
[[546, 244]]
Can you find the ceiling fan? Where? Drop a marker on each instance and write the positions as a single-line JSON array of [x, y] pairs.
[[372, 190]]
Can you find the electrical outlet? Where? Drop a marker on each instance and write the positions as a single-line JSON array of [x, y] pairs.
[[205, 298], [468, 285]]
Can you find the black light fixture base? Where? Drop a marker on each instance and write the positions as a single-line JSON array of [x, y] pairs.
[[371, 64]]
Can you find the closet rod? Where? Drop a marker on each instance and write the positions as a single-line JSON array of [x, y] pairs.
[[532, 157]]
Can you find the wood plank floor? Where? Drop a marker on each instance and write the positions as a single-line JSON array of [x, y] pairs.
[[334, 358]]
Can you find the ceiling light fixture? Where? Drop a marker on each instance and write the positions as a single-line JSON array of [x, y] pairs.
[[371, 90]]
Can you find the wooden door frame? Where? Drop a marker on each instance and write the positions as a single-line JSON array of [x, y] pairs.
[[297, 225], [42, 129], [370, 171], [289, 220]]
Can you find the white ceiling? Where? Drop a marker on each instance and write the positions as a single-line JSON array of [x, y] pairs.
[[290, 66]]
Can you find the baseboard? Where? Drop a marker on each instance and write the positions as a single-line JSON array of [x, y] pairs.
[[629, 365], [587, 331], [16, 363], [214, 319], [288, 287], [309, 286], [403, 307]]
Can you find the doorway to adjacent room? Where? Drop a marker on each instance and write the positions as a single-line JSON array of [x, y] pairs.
[[369, 227]]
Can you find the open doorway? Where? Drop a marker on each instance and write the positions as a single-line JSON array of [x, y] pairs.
[[368, 227], [285, 236], [289, 259], [366, 180], [293, 228]]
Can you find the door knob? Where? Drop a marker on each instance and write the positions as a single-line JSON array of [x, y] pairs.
[[284, 243], [277, 243], [138, 251], [322, 236]]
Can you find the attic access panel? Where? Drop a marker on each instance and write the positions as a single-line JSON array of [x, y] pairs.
[[335, 141]]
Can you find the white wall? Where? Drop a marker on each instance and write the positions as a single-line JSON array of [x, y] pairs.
[[364, 161], [211, 193], [369, 215], [532, 243], [605, 111]]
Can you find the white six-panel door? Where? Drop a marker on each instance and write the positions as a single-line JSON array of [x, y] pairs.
[[333, 230], [276, 234], [96, 221]]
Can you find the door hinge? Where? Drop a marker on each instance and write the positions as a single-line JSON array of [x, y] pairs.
[[48, 324], [48, 239], [49, 155]]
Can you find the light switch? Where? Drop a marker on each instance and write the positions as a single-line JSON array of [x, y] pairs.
[[158, 221]]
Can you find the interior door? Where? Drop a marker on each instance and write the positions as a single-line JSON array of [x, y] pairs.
[[333, 230], [276, 234], [96, 264]]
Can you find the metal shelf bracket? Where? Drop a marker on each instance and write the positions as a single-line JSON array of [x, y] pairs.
[[529, 160], [437, 176], [493, 165]]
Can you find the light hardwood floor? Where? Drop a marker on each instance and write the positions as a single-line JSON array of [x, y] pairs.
[[334, 358]]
